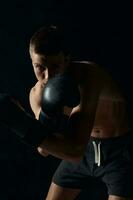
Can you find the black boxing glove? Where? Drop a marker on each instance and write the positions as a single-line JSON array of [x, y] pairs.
[[30, 130], [59, 91]]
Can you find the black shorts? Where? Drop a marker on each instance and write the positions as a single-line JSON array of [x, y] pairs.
[[110, 160]]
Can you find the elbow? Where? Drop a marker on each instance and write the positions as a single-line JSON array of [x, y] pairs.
[[42, 151]]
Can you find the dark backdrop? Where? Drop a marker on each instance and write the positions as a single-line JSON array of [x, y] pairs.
[[94, 31]]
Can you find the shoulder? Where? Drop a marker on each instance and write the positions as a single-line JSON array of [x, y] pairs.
[[91, 68], [83, 64], [94, 75]]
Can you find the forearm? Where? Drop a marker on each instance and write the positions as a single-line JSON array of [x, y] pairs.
[[61, 147]]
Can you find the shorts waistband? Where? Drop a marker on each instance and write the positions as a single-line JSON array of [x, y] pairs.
[[127, 137], [113, 142]]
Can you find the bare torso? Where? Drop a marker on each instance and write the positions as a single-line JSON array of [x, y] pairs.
[[111, 118]]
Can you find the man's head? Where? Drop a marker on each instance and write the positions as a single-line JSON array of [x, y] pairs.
[[48, 52]]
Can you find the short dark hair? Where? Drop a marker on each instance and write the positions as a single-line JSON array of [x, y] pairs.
[[49, 40]]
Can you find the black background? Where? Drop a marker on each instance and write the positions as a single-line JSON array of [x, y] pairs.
[[94, 31]]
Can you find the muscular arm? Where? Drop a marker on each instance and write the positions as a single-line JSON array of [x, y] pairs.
[[71, 144], [35, 103], [35, 98], [65, 145]]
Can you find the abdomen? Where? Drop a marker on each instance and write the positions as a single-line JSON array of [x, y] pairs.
[[111, 117]]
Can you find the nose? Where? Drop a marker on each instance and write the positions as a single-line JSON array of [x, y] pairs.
[[48, 73]]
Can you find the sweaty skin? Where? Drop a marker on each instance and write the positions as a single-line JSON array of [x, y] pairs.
[[102, 111]]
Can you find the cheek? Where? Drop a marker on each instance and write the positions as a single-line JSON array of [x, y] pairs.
[[39, 74]]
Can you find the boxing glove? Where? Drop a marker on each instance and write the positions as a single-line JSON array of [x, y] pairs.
[[59, 91]]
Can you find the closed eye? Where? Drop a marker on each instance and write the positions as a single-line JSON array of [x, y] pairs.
[[40, 67]]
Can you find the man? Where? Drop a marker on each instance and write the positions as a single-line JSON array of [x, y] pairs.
[[100, 145], [96, 140]]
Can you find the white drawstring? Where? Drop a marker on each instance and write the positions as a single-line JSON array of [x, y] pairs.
[[99, 154], [97, 151]]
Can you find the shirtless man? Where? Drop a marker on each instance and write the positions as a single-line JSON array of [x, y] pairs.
[[102, 129], [97, 143]]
